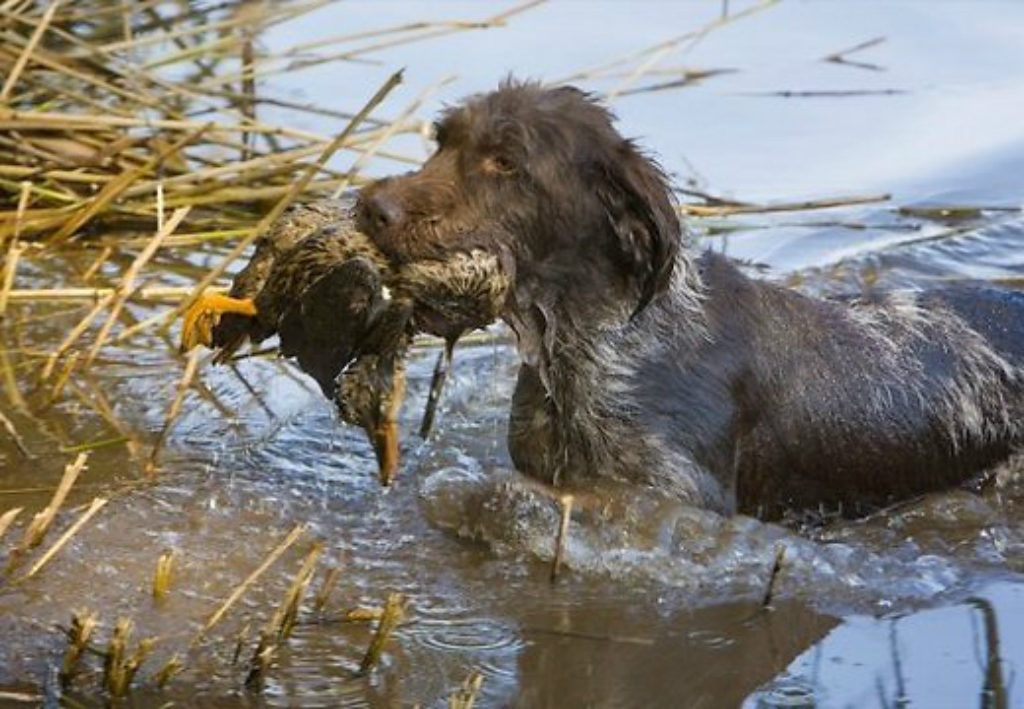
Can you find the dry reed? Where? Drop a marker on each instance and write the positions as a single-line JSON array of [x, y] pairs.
[[7, 519], [279, 626], [83, 623], [95, 506], [565, 503], [773, 575], [191, 366], [14, 435], [162, 575], [465, 696], [42, 521], [170, 669], [240, 590], [394, 612], [323, 594]]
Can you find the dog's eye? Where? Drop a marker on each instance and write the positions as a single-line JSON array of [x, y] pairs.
[[501, 164]]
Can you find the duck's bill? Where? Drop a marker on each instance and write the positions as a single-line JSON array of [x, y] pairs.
[[385, 445]]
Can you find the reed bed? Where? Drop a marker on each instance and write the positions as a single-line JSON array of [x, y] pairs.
[[120, 659], [135, 139]]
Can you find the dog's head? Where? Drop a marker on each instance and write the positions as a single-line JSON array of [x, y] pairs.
[[541, 177]]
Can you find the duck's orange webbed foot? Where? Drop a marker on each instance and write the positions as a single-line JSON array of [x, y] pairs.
[[199, 320]]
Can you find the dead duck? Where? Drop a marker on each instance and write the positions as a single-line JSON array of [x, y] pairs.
[[341, 308]]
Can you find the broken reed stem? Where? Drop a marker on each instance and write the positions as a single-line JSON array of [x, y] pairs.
[[603, 69], [7, 519], [119, 668], [722, 210], [657, 54], [26, 54], [10, 269], [565, 503], [465, 696], [132, 665], [150, 293], [189, 374], [113, 663], [394, 612], [769, 591], [323, 593], [280, 625], [72, 337], [83, 623], [386, 134], [437, 382], [284, 618], [12, 432], [24, 194], [62, 379], [240, 641], [274, 555], [170, 669], [40, 524], [95, 506], [259, 666], [298, 187], [363, 615], [162, 576], [124, 290]]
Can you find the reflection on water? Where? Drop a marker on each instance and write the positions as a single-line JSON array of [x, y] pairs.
[[897, 661], [659, 603]]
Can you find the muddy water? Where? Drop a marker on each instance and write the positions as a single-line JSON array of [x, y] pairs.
[[658, 604]]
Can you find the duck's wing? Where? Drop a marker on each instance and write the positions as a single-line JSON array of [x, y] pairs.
[[298, 223], [325, 328]]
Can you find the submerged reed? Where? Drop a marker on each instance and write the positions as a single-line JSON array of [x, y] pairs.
[[162, 575], [394, 612]]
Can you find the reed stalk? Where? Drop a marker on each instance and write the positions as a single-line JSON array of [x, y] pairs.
[[42, 521], [162, 575], [95, 506], [465, 696], [170, 669], [288, 198], [565, 504], [191, 366], [394, 612], [26, 53], [83, 623], [323, 594], [14, 435], [127, 286], [773, 576], [8, 518], [240, 590], [281, 623]]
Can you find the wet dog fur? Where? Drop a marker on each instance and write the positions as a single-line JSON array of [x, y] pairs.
[[647, 361]]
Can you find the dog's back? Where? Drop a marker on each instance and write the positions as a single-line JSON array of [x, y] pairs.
[[795, 402]]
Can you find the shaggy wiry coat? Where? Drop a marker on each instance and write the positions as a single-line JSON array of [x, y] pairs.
[[646, 361]]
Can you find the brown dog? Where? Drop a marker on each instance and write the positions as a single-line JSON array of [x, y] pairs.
[[646, 361]]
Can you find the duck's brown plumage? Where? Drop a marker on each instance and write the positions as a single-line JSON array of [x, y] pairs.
[[340, 306], [279, 273]]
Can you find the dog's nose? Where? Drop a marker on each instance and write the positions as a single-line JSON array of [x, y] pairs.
[[382, 212]]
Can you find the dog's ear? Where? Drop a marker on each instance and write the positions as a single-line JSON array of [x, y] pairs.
[[647, 234]]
